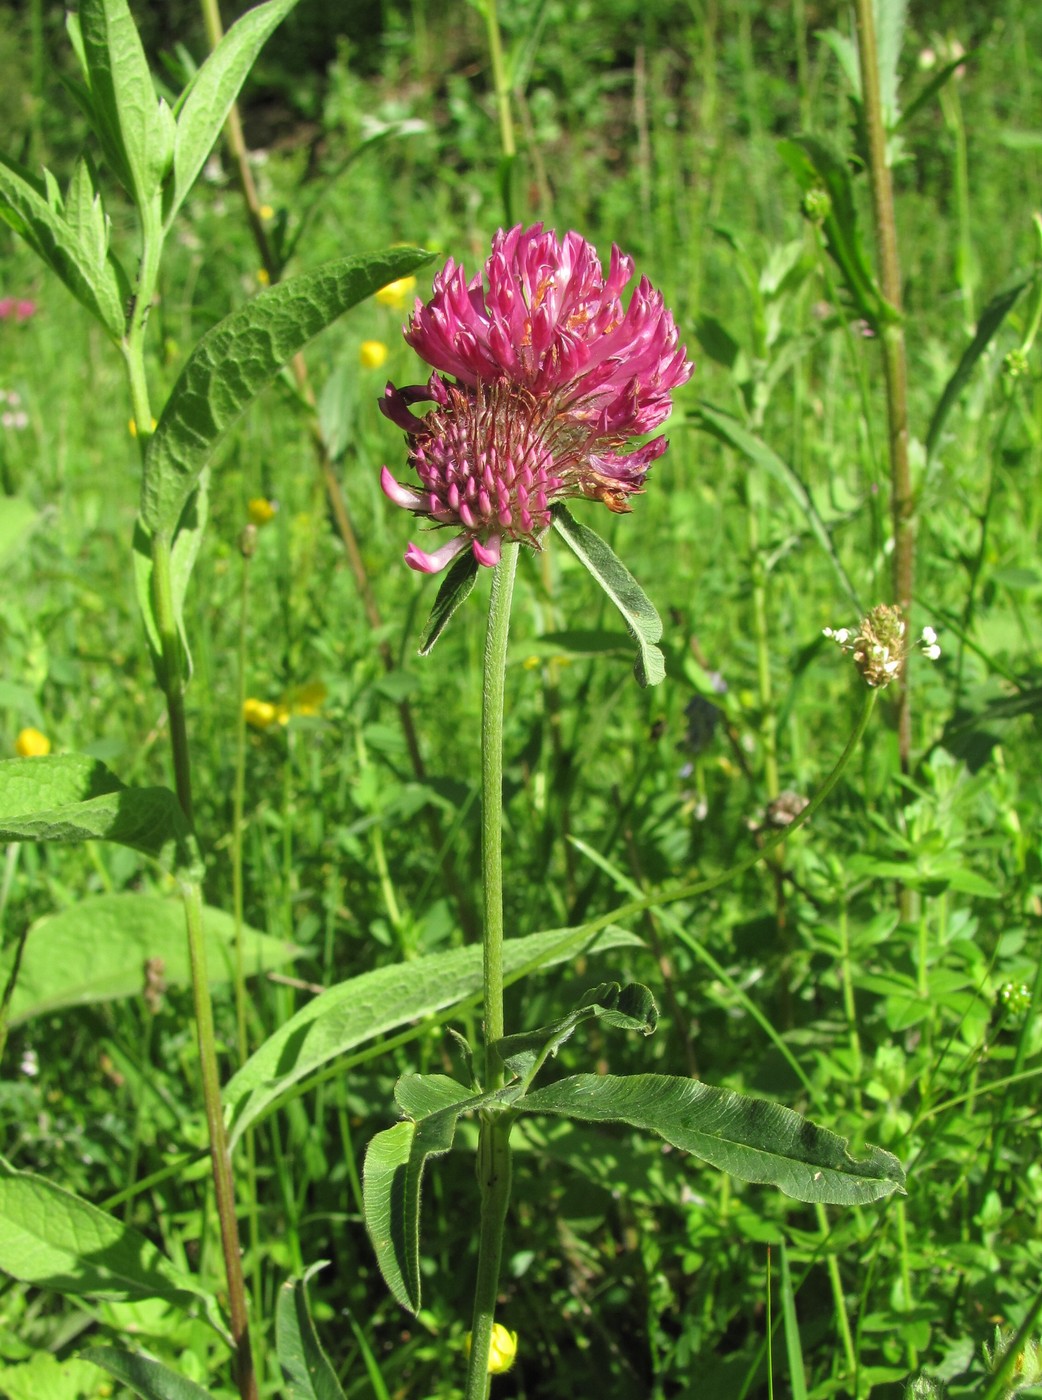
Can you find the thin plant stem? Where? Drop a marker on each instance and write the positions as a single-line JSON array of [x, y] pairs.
[[838, 1300], [499, 77], [246, 546], [173, 684], [494, 1166], [892, 339], [999, 1389]]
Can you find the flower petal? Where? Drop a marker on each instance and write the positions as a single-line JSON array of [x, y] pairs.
[[434, 562]]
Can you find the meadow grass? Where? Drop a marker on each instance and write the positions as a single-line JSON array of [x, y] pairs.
[[629, 1271]]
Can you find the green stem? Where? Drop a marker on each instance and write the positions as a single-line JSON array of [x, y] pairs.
[[839, 1301], [902, 501], [493, 1165], [492, 807], [173, 674], [499, 78]]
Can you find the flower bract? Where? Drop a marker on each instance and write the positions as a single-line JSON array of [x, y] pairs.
[[542, 379]]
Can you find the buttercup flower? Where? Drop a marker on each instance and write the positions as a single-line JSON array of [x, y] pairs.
[[396, 294], [32, 744], [540, 382], [502, 1350], [372, 354], [260, 511]]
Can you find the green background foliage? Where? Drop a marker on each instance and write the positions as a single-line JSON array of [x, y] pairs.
[[655, 126]]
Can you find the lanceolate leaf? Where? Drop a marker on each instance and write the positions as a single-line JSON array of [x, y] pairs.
[[638, 612], [54, 1239], [206, 101], [306, 1370], [234, 360], [393, 1175], [145, 1377], [818, 165], [187, 540], [347, 1016], [97, 950], [136, 132], [453, 593], [729, 430], [752, 1139], [990, 320], [25, 206], [70, 797]]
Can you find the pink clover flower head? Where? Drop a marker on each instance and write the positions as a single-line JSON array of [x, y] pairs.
[[551, 378]]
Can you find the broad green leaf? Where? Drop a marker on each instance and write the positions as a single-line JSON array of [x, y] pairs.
[[24, 205], [44, 1377], [728, 429], [352, 1013], [70, 797], [233, 361], [306, 1370], [393, 1174], [453, 593], [97, 951], [183, 553], [18, 519], [145, 1377], [54, 1239], [638, 612], [991, 319], [629, 1008], [818, 165], [136, 135], [203, 106], [752, 1139]]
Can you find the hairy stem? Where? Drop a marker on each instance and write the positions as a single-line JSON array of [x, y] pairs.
[[493, 1166]]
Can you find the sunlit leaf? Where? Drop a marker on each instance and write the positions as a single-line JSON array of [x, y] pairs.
[[752, 1139], [232, 363], [347, 1016], [306, 1369], [149, 1379], [638, 611]]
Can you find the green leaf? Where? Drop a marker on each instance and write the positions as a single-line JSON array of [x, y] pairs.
[[85, 215], [348, 1015], [890, 29], [728, 429], [817, 164], [991, 319], [206, 101], [638, 612], [54, 1239], [453, 593], [70, 797], [306, 1369], [233, 361], [145, 1377], [136, 135], [18, 519], [183, 553], [630, 1008], [25, 206], [44, 1377], [393, 1174], [752, 1139], [97, 951]]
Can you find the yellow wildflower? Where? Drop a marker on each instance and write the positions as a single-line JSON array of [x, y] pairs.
[[396, 294], [32, 744], [502, 1350], [264, 277], [259, 714], [260, 511], [372, 354], [266, 211], [305, 700]]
